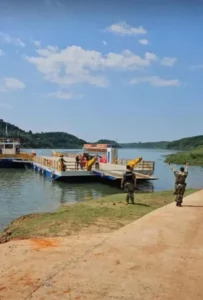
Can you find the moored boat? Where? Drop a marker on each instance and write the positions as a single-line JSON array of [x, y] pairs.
[[11, 155]]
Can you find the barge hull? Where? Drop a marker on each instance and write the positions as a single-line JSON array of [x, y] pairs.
[[14, 164]]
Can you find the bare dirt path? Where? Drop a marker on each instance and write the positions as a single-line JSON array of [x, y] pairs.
[[159, 256]]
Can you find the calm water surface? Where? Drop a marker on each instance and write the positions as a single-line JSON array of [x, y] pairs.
[[26, 191]]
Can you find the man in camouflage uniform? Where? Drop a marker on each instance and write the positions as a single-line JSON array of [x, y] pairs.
[[180, 182], [128, 182]]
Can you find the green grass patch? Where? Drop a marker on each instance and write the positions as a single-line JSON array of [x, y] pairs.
[[194, 157], [102, 215]]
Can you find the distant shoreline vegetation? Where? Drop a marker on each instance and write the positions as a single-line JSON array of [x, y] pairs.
[[193, 158], [63, 140]]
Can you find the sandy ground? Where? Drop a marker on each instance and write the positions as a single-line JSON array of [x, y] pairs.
[[159, 256]]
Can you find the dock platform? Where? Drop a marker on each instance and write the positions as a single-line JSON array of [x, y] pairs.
[[107, 173]]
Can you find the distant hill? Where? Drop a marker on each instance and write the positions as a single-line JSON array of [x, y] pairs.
[[111, 142], [147, 145], [60, 140], [189, 143], [63, 140]]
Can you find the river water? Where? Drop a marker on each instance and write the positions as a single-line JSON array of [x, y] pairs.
[[26, 191]]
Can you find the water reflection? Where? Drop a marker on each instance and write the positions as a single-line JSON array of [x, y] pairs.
[[145, 187], [24, 192], [72, 193]]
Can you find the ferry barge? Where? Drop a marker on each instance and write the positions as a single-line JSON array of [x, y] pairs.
[[109, 156]]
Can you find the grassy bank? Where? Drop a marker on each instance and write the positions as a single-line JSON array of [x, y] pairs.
[[194, 157], [103, 215]]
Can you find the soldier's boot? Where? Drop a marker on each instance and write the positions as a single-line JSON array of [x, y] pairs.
[[132, 199], [127, 199], [176, 200], [179, 204], [179, 200]]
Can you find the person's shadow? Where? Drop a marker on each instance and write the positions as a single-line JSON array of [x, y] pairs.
[[191, 205], [142, 204]]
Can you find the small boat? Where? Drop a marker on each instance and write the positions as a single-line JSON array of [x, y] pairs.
[[11, 156]]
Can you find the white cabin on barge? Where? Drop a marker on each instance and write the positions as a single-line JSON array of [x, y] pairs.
[[9, 146]]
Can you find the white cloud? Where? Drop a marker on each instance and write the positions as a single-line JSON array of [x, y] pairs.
[[61, 95], [197, 67], [54, 3], [156, 81], [2, 52], [60, 4], [9, 83], [104, 43], [151, 56], [74, 64], [37, 43], [11, 40], [143, 41], [168, 61], [5, 106], [47, 51], [123, 29]]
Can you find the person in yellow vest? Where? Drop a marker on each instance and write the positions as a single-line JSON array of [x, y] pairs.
[[97, 162], [77, 161], [61, 164]]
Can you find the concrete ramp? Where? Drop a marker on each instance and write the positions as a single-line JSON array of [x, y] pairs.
[[160, 256]]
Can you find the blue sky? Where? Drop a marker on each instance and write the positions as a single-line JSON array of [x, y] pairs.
[[129, 70]]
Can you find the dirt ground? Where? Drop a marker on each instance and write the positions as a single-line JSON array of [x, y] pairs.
[[159, 256]]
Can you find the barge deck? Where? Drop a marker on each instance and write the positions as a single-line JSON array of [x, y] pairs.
[[107, 172]]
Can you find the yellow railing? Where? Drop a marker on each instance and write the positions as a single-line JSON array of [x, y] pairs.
[[54, 163], [144, 165], [71, 155], [50, 163], [23, 156]]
